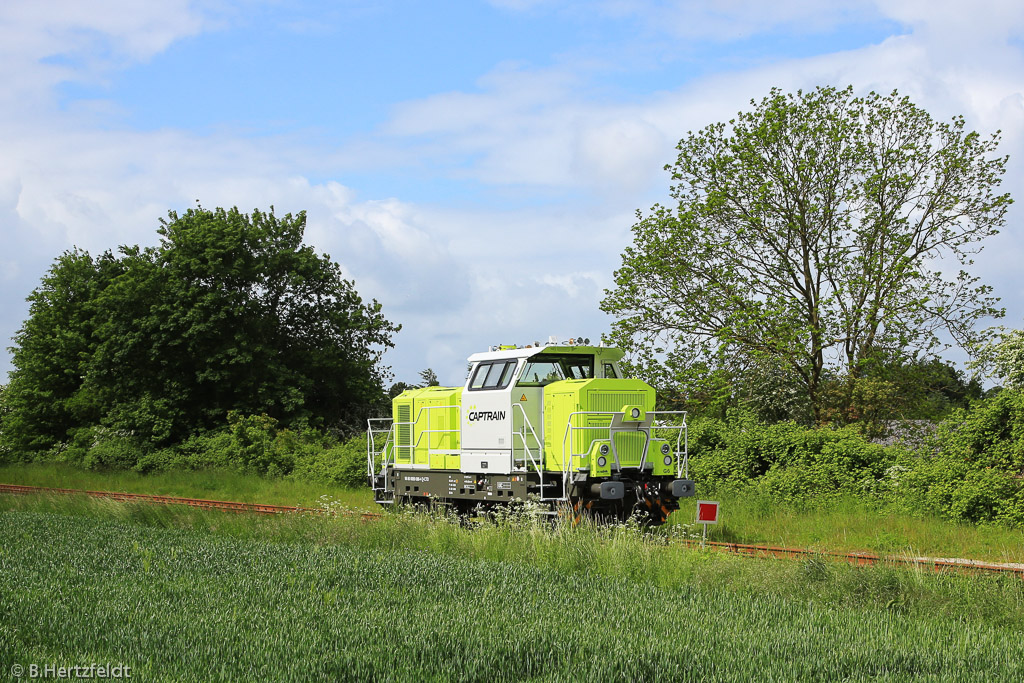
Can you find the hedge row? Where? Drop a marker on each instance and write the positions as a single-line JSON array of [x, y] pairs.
[[971, 468], [248, 443]]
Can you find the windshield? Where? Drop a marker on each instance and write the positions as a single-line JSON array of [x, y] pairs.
[[539, 373], [547, 368]]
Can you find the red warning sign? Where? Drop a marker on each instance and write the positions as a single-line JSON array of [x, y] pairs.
[[707, 512]]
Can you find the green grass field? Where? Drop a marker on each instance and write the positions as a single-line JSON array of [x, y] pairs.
[[852, 526], [182, 594]]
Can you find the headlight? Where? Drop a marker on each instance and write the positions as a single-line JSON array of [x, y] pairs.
[[604, 449], [635, 413], [668, 459], [602, 461], [664, 449]]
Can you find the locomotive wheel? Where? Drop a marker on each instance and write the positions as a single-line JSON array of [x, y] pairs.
[[654, 510], [575, 511], [463, 510], [409, 503]]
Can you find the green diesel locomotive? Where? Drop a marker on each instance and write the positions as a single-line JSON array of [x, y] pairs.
[[554, 423]]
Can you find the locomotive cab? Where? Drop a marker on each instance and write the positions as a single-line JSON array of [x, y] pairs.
[[503, 400]]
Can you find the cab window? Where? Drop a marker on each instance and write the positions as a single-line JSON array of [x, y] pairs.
[[493, 375], [480, 375], [609, 371], [506, 375], [579, 367]]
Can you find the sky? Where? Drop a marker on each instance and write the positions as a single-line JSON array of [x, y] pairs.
[[474, 166]]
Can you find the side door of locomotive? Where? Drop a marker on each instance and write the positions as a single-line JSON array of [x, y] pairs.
[[487, 418], [527, 421]]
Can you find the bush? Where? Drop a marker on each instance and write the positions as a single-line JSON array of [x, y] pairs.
[[798, 465], [989, 435], [946, 486], [111, 450], [816, 485], [255, 444], [971, 469], [94, 448], [344, 464]]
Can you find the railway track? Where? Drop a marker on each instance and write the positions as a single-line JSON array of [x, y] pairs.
[[746, 549], [258, 508], [937, 564]]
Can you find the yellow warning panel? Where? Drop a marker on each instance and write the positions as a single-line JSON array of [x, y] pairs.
[[523, 397]]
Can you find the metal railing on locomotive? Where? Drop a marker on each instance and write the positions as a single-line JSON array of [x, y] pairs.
[[682, 456], [389, 457], [532, 460], [396, 446], [426, 432], [372, 453]]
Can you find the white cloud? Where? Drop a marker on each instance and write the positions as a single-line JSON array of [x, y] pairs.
[[543, 127], [457, 278], [572, 284], [113, 191], [956, 24], [540, 127], [43, 44], [534, 128]]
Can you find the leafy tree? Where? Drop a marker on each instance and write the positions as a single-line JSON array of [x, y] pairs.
[[1002, 356], [772, 391], [805, 229], [231, 312], [45, 400], [428, 378], [895, 388], [761, 386], [929, 387], [395, 390]]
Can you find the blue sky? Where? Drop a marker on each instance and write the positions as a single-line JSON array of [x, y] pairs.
[[475, 166]]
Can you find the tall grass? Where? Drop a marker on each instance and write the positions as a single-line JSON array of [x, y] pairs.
[[612, 552], [192, 595], [848, 525]]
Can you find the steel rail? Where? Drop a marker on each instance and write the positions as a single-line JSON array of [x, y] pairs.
[[861, 558], [259, 508], [744, 549]]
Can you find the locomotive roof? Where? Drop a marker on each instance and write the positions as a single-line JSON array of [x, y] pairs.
[[603, 352]]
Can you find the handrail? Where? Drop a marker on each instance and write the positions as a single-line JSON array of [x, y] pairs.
[[372, 452], [682, 463], [526, 447], [430, 450], [570, 427], [683, 434]]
